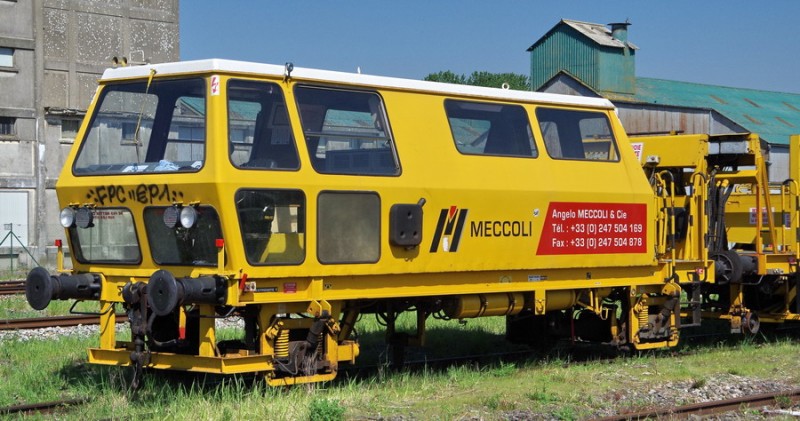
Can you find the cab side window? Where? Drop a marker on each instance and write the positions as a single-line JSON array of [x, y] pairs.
[[490, 129], [346, 131], [259, 134], [580, 135]]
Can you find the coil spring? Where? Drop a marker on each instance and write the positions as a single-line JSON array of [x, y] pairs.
[[644, 314], [319, 344], [282, 344]]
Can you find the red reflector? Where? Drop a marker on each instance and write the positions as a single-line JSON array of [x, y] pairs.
[[792, 261], [220, 243], [58, 243], [242, 281]]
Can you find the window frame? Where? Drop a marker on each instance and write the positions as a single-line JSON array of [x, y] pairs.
[[75, 243], [77, 123], [12, 124], [303, 223], [121, 87], [274, 116], [150, 233], [387, 128], [534, 148], [12, 56], [379, 230], [613, 141]]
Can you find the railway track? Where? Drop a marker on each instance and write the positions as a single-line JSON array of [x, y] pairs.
[[55, 321], [713, 407], [42, 408], [12, 287]]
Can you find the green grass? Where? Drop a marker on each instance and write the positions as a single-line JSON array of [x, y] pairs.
[[19, 272], [15, 307], [553, 386]]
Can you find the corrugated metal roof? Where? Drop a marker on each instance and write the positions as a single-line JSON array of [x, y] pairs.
[[598, 33], [773, 115]]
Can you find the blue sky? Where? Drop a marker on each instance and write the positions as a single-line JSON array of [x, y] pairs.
[[748, 44]]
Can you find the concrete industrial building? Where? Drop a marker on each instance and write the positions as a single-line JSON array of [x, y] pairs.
[[590, 59], [51, 54]]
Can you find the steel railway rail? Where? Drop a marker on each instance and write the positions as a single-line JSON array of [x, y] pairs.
[[43, 408], [55, 321], [712, 407], [12, 287]]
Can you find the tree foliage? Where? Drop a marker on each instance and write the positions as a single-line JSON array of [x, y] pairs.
[[492, 80]]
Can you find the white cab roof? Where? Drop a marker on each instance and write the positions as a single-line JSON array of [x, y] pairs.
[[299, 73]]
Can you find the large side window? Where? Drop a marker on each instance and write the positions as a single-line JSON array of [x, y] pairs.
[[349, 227], [346, 131], [259, 134], [490, 129], [273, 225], [582, 135]]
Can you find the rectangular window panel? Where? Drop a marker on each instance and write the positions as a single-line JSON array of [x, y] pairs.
[[129, 132], [8, 126], [69, 129], [175, 245], [348, 227], [580, 135], [346, 132], [273, 225], [6, 57], [111, 238], [490, 129], [134, 129], [258, 127]]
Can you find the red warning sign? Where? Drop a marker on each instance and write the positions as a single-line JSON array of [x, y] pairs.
[[594, 228]]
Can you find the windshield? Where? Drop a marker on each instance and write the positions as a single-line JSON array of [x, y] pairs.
[[139, 128]]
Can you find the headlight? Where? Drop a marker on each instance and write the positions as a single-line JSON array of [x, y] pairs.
[[67, 217], [171, 216], [84, 218], [188, 216]]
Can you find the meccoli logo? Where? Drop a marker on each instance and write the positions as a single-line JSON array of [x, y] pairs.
[[448, 229]]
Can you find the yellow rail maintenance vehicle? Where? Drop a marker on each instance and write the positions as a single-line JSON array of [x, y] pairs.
[[300, 199], [755, 253]]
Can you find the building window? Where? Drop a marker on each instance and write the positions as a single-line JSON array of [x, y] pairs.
[[6, 57], [69, 129], [8, 127], [128, 132], [191, 133]]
